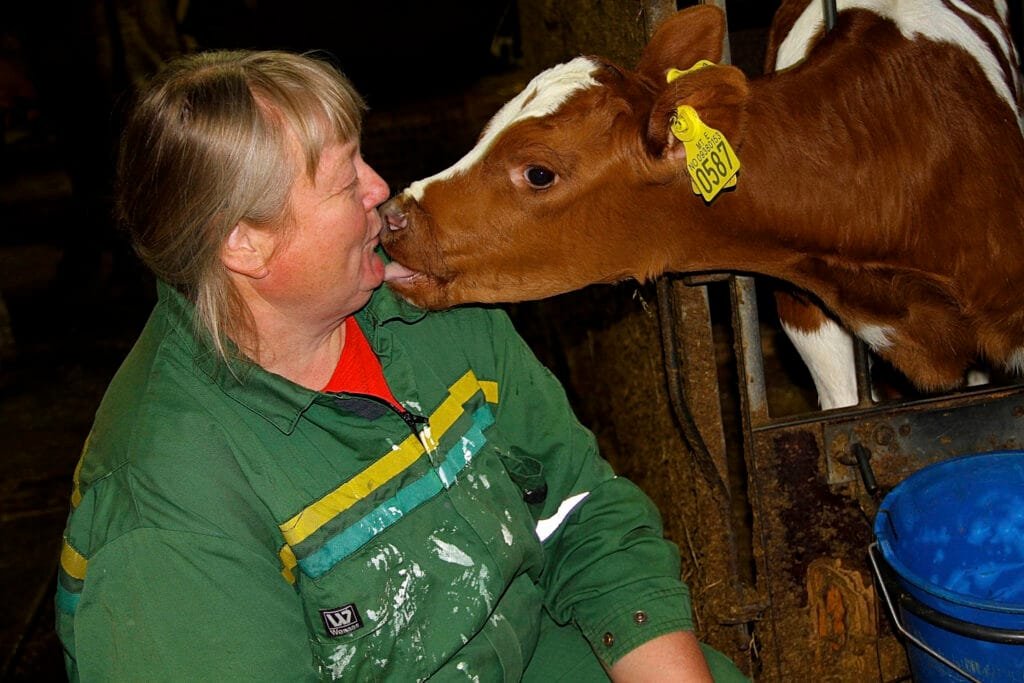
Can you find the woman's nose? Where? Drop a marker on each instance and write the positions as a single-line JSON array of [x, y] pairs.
[[377, 189]]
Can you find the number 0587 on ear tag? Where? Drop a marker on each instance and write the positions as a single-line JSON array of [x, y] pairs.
[[710, 160]]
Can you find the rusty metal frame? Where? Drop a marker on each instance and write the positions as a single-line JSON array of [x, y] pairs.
[[895, 438], [812, 485]]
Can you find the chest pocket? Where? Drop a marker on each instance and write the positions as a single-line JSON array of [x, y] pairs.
[[434, 585], [356, 612], [408, 602], [494, 505]]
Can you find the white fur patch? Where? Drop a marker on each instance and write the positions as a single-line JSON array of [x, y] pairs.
[[828, 354], [878, 337], [1015, 363], [977, 378], [544, 95], [931, 19]]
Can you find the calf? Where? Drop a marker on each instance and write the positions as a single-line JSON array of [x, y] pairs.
[[882, 176]]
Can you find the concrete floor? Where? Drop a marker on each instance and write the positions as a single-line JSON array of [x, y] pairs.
[[69, 335]]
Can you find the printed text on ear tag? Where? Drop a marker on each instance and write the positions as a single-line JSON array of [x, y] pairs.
[[710, 161]]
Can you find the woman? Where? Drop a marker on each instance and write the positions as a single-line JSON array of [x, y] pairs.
[[295, 475]]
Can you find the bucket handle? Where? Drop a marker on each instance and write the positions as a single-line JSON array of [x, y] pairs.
[[960, 627], [872, 554]]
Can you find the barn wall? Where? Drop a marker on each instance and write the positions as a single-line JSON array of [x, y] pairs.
[[553, 30]]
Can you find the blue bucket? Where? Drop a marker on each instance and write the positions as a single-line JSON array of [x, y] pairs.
[[952, 539]]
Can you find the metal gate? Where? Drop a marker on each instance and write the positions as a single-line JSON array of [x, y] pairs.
[[799, 590]]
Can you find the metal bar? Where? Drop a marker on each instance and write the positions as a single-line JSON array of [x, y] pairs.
[[829, 9], [700, 368], [726, 50], [672, 359], [750, 362], [862, 372]]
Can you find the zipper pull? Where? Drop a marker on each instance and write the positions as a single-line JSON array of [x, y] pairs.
[[420, 428], [413, 420]]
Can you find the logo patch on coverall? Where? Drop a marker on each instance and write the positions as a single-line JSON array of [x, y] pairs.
[[341, 620]]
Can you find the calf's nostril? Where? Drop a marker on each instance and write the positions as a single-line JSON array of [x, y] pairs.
[[394, 216]]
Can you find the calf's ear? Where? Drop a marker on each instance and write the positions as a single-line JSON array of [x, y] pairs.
[[682, 40], [719, 94]]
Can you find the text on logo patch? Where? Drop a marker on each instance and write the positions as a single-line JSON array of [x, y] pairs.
[[341, 620]]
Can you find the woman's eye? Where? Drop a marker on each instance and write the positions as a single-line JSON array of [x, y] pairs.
[[539, 177]]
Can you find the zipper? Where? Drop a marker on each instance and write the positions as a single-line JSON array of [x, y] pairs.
[[412, 420]]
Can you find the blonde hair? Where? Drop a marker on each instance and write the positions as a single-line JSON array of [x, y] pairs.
[[208, 145]]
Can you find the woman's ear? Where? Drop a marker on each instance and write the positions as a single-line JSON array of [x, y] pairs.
[[247, 251]]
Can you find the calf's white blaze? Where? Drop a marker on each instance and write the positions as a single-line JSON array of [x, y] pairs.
[[932, 19], [544, 95]]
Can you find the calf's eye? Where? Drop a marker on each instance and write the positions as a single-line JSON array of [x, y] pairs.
[[539, 177]]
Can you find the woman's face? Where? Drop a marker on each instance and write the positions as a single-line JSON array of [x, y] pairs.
[[325, 264]]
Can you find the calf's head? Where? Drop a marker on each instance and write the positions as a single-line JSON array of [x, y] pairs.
[[566, 179]]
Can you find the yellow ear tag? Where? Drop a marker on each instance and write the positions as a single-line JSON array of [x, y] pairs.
[[709, 158], [673, 74]]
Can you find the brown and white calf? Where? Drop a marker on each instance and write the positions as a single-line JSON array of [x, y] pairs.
[[882, 176]]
